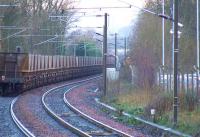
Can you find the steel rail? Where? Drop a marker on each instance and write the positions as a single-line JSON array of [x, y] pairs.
[[56, 117], [24, 130], [87, 117]]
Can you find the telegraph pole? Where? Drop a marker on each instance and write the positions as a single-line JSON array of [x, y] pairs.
[[115, 50], [105, 54], [125, 46], [176, 50]]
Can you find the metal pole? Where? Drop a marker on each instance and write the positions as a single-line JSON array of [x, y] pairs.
[[172, 14], [182, 82], [8, 42], [105, 54], [187, 82], [31, 42], [197, 82], [115, 50], [163, 33], [125, 47], [198, 36], [159, 78], [163, 80], [167, 81], [85, 49], [74, 50], [176, 50], [192, 82], [170, 81], [96, 51]]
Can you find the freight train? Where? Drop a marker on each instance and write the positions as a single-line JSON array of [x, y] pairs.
[[23, 71]]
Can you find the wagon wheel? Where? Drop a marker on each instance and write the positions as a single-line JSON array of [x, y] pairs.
[[3, 90], [19, 88]]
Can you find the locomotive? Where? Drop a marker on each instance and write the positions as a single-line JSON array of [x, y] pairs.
[[24, 71]]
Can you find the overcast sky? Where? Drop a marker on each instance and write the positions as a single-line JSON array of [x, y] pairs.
[[118, 18]]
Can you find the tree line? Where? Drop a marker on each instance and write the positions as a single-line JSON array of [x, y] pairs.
[[146, 40], [33, 17]]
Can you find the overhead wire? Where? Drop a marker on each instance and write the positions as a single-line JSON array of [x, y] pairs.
[[10, 36], [170, 18], [82, 8], [143, 9]]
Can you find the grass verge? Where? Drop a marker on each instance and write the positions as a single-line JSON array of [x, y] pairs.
[[139, 102]]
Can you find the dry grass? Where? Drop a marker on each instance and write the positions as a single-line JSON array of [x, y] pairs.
[[124, 93], [136, 98], [189, 122], [190, 117], [140, 101], [113, 88]]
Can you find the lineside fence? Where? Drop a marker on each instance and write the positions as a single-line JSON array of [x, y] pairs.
[[187, 81]]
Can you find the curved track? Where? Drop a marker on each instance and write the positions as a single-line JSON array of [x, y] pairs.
[[8, 127], [31, 118], [72, 118], [18, 123]]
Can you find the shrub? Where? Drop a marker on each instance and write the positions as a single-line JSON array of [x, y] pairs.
[[188, 100], [162, 103]]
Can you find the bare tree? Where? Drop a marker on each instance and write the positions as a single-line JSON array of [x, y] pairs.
[[34, 15]]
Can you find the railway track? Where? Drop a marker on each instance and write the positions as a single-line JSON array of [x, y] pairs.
[[29, 115], [18, 122], [7, 126], [55, 111], [61, 110]]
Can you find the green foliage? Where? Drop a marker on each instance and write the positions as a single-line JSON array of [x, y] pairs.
[[127, 120], [134, 110], [163, 120], [90, 47], [188, 122], [162, 102]]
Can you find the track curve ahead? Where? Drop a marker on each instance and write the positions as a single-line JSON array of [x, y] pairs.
[[78, 122]]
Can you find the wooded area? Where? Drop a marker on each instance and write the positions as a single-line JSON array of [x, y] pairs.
[[146, 39], [31, 17]]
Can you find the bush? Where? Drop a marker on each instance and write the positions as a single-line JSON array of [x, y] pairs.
[[188, 100], [162, 104]]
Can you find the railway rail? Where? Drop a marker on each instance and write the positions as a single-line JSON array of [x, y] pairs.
[[68, 119], [73, 119], [17, 121], [31, 118]]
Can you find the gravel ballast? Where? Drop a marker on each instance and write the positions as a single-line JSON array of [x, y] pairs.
[[29, 110], [83, 99], [7, 126]]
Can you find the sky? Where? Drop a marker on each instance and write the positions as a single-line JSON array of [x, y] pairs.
[[118, 18]]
